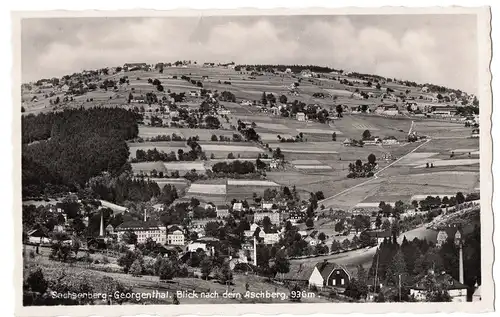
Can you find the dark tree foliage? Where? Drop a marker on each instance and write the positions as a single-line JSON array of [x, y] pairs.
[[82, 144]]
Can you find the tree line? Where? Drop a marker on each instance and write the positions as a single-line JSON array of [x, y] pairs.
[[83, 143]]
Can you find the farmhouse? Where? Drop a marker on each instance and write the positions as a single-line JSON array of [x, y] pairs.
[[457, 290], [144, 230], [390, 140], [194, 246], [198, 226], [271, 236], [64, 88], [37, 236], [311, 241], [273, 216], [348, 142], [301, 116], [222, 211], [445, 112], [475, 133], [330, 274], [135, 66], [306, 73], [175, 235], [238, 207], [387, 110], [424, 89], [379, 235], [288, 71], [300, 274]]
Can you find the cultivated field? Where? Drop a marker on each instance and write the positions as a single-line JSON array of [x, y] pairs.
[[210, 189]]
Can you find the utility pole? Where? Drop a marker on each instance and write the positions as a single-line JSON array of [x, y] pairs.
[[399, 277], [376, 273]]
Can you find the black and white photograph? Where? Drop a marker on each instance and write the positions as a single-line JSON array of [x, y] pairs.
[[274, 158]]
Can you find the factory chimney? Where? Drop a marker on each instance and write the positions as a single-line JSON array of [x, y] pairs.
[[254, 250], [101, 229]]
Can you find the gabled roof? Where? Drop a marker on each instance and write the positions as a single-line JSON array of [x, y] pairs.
[[299, 272], [327, 268], [444, 278]]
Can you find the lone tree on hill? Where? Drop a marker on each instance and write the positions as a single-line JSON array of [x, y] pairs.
[[367, 135], [339, 110], [371, 158]]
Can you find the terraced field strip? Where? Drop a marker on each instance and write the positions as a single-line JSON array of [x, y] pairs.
[[209, 189], [230, 148], [249, 182], [306, 162], [423, 196], [319, 131], [184, 166], [271, 126], [450, 163], [313, 167]]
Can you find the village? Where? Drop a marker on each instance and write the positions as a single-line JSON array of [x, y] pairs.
[[234, 186]]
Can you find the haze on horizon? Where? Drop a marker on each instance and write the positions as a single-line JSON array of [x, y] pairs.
[[437, 49]]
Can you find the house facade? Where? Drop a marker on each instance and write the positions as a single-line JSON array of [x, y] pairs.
[[222, 211], [300, 116], [273, 216], [144, 230], [456, 290], [175, 236]]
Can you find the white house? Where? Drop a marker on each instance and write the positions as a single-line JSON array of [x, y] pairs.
[[194, 246], [36, 236], [222, 211], [379, 235], [273, 216], [237, 206], [457, 290], [270, 237], [390, 140], [300, 116], [175, 235]]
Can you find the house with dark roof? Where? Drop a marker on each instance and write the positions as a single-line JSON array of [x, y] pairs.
[[320, 275], [222, 211], [379, 235], [332, 275], [457, 290], [300, 274]]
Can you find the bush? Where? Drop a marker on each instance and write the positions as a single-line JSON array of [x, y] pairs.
[[32, 254]]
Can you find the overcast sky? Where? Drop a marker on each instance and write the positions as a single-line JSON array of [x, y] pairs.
[[439, 49]]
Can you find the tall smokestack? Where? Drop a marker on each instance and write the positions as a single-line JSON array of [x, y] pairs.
[[461, 265], [101, 229], [254, 251]]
